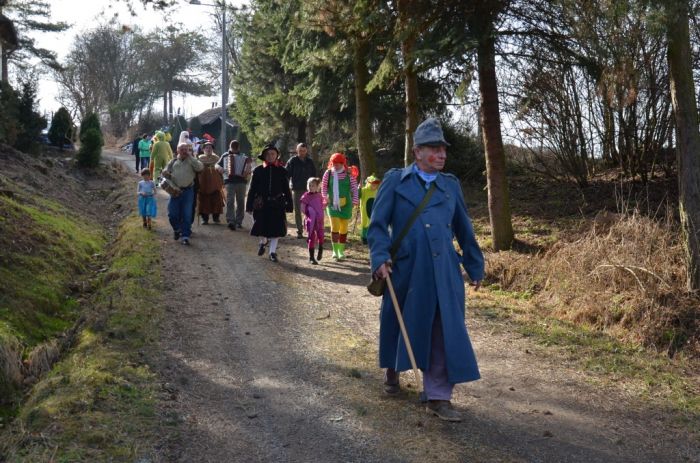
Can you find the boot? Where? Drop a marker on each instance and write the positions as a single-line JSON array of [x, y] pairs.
[[311, 257], [341, 251], [335, 250], [320, 252], [144, 222], [149, 223]]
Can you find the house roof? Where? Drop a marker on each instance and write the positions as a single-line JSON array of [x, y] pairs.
[[213, 114], [8, 34]]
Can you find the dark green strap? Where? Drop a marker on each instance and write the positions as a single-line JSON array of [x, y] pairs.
[[411, 220]]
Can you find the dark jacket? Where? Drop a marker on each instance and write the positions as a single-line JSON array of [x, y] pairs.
[[135, 147], [300, 170], [269, 199]]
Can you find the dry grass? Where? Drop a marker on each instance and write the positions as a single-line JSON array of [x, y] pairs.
[[624, 275], [10, 364]]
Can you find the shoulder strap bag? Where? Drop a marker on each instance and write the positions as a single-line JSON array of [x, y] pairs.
[[376, 287]]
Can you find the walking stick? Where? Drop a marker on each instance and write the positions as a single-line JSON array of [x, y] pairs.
[[406, 340], [354, 223]]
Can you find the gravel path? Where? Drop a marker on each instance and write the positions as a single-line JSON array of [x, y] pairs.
[[276, 362]]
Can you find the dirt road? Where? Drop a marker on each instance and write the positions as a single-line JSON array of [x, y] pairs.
[[276, 362]]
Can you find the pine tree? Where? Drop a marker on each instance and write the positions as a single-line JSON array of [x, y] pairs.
[[91, 142], [61, 128]]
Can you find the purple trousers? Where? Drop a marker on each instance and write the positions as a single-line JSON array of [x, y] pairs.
[[435, 383], [314, 229]]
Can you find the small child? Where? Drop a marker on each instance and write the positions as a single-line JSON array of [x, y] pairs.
[[312, 207], [367, 195], [147, 199]]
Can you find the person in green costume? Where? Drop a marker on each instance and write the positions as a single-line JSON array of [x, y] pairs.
[[161, 155], [367, 195], [339, 192]]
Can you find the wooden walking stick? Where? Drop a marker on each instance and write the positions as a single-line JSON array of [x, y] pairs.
[[406, 340]]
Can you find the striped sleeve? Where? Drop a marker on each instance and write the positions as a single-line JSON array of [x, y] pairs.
[[324, 185], [353, 188]]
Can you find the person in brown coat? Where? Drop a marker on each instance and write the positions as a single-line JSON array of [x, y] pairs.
[[210, 197]]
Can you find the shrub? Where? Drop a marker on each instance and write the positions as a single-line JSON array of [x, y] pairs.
[[91, 121], [61, 129], [90, 148], [625, 275]]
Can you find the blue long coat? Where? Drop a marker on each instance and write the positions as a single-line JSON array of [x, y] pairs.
[[425, 271]]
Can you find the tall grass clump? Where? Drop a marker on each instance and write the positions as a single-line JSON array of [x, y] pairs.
[[624, 274]]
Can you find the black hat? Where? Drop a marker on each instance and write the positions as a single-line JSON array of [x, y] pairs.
[[267, 148]]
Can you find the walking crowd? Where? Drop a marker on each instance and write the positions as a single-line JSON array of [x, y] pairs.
[[201, 184], [410, 220]]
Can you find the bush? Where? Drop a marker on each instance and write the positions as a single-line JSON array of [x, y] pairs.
[[91, 121], [90, 148], [61, 129], [625, 276]]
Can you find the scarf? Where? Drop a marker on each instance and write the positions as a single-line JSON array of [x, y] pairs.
[[427, 178], [336, 190], [273, 163]]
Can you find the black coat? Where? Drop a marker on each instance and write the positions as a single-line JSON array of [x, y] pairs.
[[268, 200], [300, 170]]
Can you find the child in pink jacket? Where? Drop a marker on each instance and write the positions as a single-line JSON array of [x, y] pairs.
[[312, 207]]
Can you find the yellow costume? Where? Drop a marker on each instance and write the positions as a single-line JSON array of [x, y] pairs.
[[367, 195]]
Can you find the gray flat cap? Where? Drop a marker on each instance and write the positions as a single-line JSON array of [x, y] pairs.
[[429, 133]]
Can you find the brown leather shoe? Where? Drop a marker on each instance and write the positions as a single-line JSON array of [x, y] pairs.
[[443, 410], [392, 389]]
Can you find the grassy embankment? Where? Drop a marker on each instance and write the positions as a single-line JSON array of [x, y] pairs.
[[98, 402], [42, 247]]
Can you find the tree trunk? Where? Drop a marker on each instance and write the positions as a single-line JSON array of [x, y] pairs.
[[362, 112], [410, 80], [170, 105], [311, 134], [609, 152], [4, 66], [165, 107], [687, 134], [498, 196], [301, 131]]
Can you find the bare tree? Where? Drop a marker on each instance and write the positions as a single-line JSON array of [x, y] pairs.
[[103, 74]]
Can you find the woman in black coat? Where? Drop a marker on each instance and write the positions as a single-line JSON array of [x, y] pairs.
[[269, 199]]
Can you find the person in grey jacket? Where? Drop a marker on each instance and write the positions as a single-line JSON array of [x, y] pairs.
[[300, 169]]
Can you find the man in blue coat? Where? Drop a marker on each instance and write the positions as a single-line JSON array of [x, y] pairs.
[[425, 272]]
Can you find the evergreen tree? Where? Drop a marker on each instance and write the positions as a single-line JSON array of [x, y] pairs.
[[91, 121], [61, 128], [31, 123], [8, 116], [30, 16], [91, 142]]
